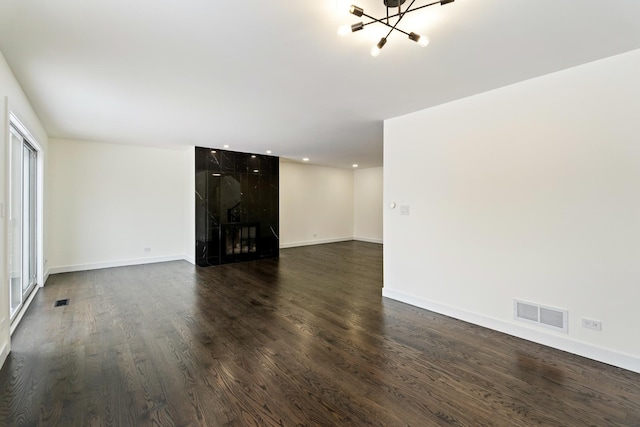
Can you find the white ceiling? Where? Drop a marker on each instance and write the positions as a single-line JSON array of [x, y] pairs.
[[260, 75]]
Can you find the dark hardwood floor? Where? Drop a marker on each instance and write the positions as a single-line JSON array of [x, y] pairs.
[[305, 339]]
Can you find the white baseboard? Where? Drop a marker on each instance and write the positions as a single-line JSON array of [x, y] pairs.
[[109, 264], [368, 240], [189, 259], [315, 242], [47, 273], [564, 343]]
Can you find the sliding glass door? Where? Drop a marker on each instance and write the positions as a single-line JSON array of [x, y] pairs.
[[22, 221]]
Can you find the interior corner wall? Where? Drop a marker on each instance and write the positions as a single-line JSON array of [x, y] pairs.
[[529, 192], [316, 204], [116, 204], [190, 205], [367, 204], [13, 99]]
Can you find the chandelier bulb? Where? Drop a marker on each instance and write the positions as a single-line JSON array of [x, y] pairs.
[[375, 51], [343, 30], [420, 39]]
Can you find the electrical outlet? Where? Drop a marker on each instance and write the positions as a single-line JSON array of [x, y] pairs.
[[596, 325], [147, 249], [404, 210]]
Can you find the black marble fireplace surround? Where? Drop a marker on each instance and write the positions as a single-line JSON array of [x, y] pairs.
[[236, 206]]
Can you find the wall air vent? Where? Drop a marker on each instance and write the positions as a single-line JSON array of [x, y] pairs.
[[547, 317]]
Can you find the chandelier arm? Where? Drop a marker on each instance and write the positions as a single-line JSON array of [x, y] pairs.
[[400, 18], [409, 10], [381, 21], [422, 7]]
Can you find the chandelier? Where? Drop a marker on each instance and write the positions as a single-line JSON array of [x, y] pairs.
[[389, 22]]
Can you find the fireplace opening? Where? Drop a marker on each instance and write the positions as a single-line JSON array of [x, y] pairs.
[[240, 238]]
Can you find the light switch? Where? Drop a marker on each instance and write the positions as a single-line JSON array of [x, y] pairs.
[[404, 210]]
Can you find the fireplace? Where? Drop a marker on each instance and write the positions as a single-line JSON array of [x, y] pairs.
[[236, 206]]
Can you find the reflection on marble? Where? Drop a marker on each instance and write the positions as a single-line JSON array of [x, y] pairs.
[[236, 206]]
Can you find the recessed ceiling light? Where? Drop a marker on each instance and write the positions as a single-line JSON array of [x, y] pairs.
[[306, 159], [213, 151], [355, 165], [268, 151], [256, 170], [215, 174], [253, 156], [226, 146]]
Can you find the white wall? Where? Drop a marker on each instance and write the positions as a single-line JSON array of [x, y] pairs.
[[109, 202], [316, 204], [13, 99], [367, 204], [529, 192]]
